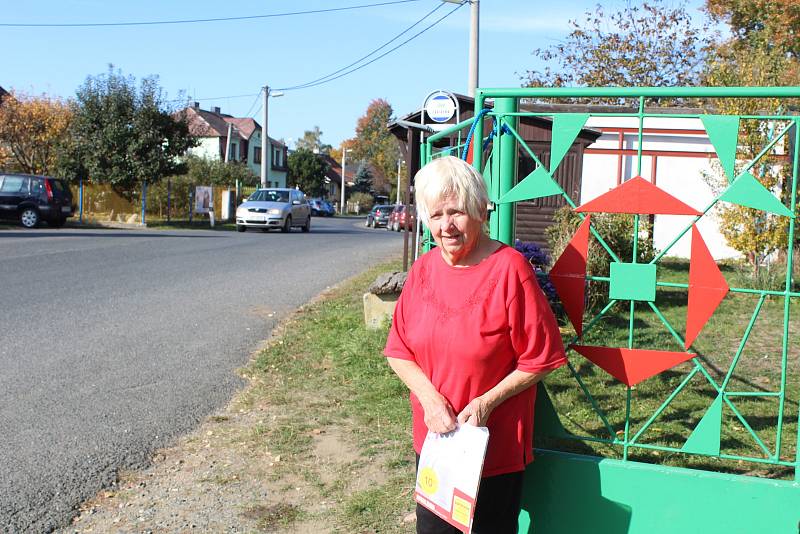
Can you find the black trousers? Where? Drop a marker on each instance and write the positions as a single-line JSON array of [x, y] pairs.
[[497, 511]]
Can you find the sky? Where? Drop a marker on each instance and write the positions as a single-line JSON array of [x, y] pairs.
[[226, 63]]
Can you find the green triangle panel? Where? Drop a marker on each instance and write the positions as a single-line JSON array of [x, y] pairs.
[[487, 177], [546, 417], [566, 128], [747, 191], [705, 437], [537, 184], [723, 131]]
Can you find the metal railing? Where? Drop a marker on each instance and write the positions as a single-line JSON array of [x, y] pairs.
[[624, 432]]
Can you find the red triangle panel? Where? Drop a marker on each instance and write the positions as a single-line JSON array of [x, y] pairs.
[[707, 288], [568, 275], [637, 195], [631, 366]]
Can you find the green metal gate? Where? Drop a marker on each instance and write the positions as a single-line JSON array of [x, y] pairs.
[[570, 492]]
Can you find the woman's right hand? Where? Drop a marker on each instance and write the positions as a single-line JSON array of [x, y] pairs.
[[439, 415]]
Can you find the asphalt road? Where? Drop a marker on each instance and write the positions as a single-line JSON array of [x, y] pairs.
[[115, 342]]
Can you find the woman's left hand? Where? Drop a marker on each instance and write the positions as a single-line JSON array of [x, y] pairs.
[[475, 413]]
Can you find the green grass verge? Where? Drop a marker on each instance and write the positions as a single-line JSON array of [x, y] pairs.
[[326, 373]]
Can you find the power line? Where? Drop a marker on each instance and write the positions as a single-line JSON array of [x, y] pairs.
[[258, 109], [196, 21], [332, 76], [359, 60], [194, 98], [314, 84], [254, 103]]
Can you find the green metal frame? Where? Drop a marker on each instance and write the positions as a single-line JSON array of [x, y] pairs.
[[499, 171]]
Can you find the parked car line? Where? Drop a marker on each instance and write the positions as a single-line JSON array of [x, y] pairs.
[[378, 215], [321, 207], [31, 199]]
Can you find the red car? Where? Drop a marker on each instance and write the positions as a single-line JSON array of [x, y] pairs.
[[399, 218]]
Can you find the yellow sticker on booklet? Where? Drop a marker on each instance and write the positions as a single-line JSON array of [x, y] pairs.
[[461, 510], [428, 481]]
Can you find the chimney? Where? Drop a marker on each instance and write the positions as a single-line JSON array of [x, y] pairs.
[[216, 110], [196, 105]]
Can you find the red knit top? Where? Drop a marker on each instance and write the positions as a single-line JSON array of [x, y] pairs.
[[468, 328]]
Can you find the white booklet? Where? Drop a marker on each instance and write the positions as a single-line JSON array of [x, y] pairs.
[[449, 474]]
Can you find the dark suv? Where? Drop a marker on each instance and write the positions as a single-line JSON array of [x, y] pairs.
[[378, 215], [31, 199]]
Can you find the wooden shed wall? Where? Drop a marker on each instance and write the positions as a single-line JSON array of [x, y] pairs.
[[533, 217]]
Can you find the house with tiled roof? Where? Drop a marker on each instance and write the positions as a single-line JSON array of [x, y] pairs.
[[211, 127]]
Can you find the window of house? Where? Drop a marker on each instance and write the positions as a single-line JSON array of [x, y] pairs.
[[257, 154], [234, 151], [276, 157]]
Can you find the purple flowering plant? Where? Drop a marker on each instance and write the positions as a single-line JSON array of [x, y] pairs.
[[540, 261]]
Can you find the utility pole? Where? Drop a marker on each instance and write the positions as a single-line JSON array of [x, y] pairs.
[[265, 148], [473, 46], [474, 6], [228, 144], [344, 161]]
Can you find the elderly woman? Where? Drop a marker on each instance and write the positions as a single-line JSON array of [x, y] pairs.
[[471, 336]]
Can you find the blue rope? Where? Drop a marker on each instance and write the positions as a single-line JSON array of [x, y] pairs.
[[504, 130], [478, 117]]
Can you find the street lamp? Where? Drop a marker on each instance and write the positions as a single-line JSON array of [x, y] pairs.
[[266, 149], [473, 43], [344, 160]]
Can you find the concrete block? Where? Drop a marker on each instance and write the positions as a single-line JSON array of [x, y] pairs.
[[378, 308]]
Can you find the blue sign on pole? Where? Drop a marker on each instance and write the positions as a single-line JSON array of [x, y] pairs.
[[440, 107]]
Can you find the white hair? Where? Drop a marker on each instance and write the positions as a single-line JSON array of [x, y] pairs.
[[449, 176]]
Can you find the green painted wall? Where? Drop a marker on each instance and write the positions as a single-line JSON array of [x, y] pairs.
[[571, 494]]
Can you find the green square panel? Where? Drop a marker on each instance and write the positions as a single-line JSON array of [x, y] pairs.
[[633, 281]]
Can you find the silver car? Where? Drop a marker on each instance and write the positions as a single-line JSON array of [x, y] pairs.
[[274, 208]]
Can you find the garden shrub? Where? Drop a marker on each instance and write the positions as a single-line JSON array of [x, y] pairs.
[[363, 200], [616, 229]]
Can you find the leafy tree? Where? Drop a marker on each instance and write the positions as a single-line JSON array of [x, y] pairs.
[[202, 171], [647, 44], [31, 130], [375, 144], [758, 54], [312, 140], [362, 181], [307, 170], [765, 24], [125, 135]]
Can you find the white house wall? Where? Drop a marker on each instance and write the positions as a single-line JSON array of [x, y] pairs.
[[207, 149], [680, 176]]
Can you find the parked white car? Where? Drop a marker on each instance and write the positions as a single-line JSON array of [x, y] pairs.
[[274, 208]]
